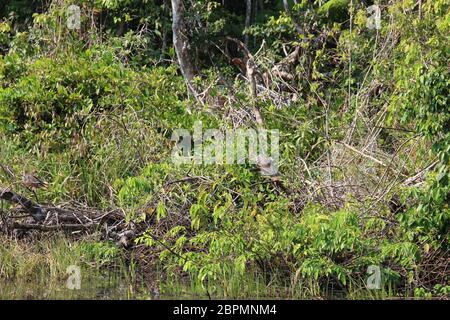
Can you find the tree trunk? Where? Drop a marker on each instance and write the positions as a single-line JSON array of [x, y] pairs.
[[248, 19], [289, 13], [165, 31], [254, 14], [181, 44]]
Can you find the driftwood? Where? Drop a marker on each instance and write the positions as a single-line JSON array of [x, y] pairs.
[[36, 211], [74, 219], [72, 227]]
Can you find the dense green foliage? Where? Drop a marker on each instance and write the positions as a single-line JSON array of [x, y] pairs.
[[93, 111]]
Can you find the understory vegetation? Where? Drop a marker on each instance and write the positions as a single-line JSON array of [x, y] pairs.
[[363, 115]]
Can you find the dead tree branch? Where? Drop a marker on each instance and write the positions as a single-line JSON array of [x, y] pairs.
[[37, 212]]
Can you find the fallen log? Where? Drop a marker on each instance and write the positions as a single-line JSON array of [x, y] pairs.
[[48, 218], [40, 227], [37, 212]]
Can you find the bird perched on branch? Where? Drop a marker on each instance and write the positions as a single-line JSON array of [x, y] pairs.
[[268, 168], [266, 165], [32, 182]]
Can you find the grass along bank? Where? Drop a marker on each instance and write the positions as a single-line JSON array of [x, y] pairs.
[[31, 269], [36, 268]]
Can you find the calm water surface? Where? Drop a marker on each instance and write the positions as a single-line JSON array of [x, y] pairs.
[[101, 286]]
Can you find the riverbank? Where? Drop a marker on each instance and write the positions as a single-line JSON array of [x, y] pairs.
[[39, 268], [296, 156]]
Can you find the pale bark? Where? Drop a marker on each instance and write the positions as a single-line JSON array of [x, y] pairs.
[[181, 43]]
